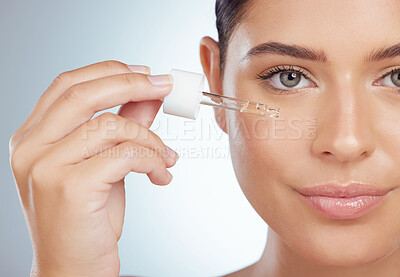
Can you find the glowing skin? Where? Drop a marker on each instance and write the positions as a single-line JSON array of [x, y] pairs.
[[356, 135]]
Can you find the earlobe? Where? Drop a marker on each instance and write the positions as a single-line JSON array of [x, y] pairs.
[[210, 60]]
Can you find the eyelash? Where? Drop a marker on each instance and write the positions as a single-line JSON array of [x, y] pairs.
[[397, 70], [278, 69]]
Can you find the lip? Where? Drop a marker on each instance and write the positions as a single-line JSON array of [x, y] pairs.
[[343, 201]]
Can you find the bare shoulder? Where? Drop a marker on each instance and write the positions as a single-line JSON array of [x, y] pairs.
[[242, 272]]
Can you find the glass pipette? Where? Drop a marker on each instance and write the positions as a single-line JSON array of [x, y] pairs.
[[188, 94], [235, 104]]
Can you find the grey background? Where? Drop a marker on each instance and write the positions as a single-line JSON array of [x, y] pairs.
[[199, 225]]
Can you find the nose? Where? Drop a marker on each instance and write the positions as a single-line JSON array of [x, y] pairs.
[[344, 131]]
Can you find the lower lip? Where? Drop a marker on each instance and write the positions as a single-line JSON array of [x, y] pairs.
[[343, 208]]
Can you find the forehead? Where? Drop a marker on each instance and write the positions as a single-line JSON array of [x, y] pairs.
[[342, 28]]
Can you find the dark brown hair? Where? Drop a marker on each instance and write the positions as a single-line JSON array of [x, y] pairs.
[[228, 13]]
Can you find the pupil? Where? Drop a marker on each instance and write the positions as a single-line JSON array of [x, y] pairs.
[[290, 79]]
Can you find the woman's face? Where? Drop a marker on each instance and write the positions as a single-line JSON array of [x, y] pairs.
[[340, 123]]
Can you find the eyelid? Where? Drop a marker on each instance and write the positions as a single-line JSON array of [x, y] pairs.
[[387, 72], [311, 76], [380, 76], [308, 75], [268, 74]]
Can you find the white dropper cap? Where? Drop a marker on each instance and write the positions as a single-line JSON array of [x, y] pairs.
[[185, 97]]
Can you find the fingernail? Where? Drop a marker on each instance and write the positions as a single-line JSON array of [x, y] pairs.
[[139, 69], [160, 80], [172, 153]]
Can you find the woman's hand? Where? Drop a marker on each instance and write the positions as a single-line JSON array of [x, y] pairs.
[[70, 168]]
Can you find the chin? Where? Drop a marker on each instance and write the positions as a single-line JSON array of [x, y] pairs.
[[336, 242], [328, 241], [338, 248]]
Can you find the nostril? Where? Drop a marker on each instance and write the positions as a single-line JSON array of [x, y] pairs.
[[326, 154]]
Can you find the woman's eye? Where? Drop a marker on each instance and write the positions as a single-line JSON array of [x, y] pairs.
[[286, 79], [392, 78], [290, 79]]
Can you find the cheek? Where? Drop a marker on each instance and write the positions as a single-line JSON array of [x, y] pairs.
[[263, 156], [271, 156]]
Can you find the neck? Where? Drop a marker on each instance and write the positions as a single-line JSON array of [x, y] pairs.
[[279, 260]]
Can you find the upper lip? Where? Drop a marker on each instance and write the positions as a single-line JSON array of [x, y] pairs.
[[349, 189]]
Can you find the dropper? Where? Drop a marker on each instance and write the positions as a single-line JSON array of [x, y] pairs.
[[188, 93], [235, 104]]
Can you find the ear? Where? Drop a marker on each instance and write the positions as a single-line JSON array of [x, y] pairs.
[[210, 60]]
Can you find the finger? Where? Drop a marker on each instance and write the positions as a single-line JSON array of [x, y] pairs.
[[80, 102], [67, 79], [114, 164], [105, 132], [91, 72], [142, 112]]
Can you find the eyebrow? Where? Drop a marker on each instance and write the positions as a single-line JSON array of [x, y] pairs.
[[302, 52], [384, 53]]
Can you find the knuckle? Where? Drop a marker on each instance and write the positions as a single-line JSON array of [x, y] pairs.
[[129, 151], [17, 138], [159, 163], [129, 129], [73, 94], [130, 147], [113, 64], [63, 79], [160, 158], [155, 156], [152, 140], [16, 161], [107, 117], [12, 143], [158, 142], [36, 174], [20, 157], [133, 80], [43, 179], [104, 127]]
